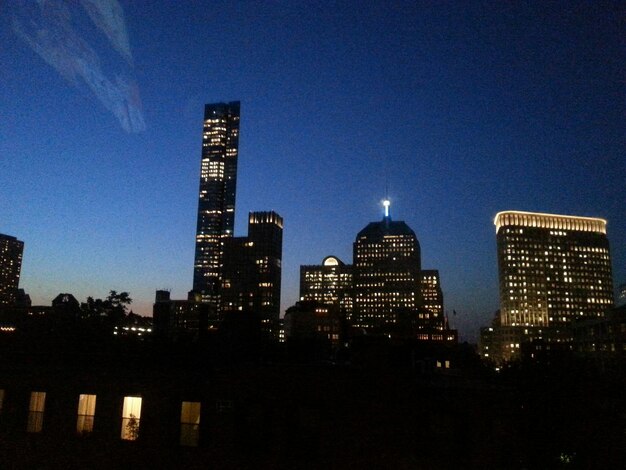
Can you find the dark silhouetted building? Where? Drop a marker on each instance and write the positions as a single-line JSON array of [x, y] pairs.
[[553, 270], [310, 320], [182, 318], [216, 204], [329, 283], [603, 337], [252, 268], [387, 278], [11, 250], [66, 304]]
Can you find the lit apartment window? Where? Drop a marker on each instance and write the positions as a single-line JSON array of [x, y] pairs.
[[131, 416], [35, 411], [86, 413], [189, 423]]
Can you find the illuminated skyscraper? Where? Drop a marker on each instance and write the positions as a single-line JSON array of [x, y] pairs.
[[386, 272], [216, 203], [11, 250], [329, 283], [553, 269]]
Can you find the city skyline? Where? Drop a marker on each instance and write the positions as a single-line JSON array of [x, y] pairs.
[[462, 112]]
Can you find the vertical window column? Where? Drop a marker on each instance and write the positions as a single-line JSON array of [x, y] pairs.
[[189, 423], [35, 411], [86, 413], [131, 417]]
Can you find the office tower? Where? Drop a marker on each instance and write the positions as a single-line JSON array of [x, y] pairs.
[[11, 250], [216, 203], [329, 283], [432, 296], [252, 268], [386, 273], [553, 269]]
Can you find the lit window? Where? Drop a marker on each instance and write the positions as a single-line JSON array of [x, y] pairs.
[[131, 416], [35, 411], [86, 413], [189, 423]]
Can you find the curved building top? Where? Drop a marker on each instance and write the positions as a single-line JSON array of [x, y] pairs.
[[332, 261], [549, 221]]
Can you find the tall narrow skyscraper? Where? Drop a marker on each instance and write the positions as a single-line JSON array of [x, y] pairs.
[[11, 250], [216, 202]]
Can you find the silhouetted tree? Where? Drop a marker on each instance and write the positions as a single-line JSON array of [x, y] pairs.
[[114, 307]]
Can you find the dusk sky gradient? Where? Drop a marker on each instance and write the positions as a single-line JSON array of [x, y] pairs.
[[461, 109]]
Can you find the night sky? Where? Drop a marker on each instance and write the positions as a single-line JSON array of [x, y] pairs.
[[460, 109]]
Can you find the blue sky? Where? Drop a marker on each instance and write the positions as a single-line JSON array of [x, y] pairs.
[[462, 109]]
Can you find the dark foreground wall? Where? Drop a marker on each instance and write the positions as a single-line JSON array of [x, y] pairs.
[[257, 415]]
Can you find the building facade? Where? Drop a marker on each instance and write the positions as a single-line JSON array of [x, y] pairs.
[[329, 283], [387, 274], [182, 318], [252, 268], [11, 250], [432, 296], [553, 270], [216, 201], [311, 320]]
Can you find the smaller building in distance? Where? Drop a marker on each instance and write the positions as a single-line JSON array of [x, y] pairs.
[[252, 268], [602, 338], [311, 320], [11, 250], [182, 318], [432, 297], [329, 283]]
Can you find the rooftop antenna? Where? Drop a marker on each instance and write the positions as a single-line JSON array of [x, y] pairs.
[[386, 201]]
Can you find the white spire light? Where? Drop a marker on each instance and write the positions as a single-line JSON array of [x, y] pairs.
[[386, 204]]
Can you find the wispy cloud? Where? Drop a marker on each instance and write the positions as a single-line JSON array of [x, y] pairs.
[[50, 28]]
